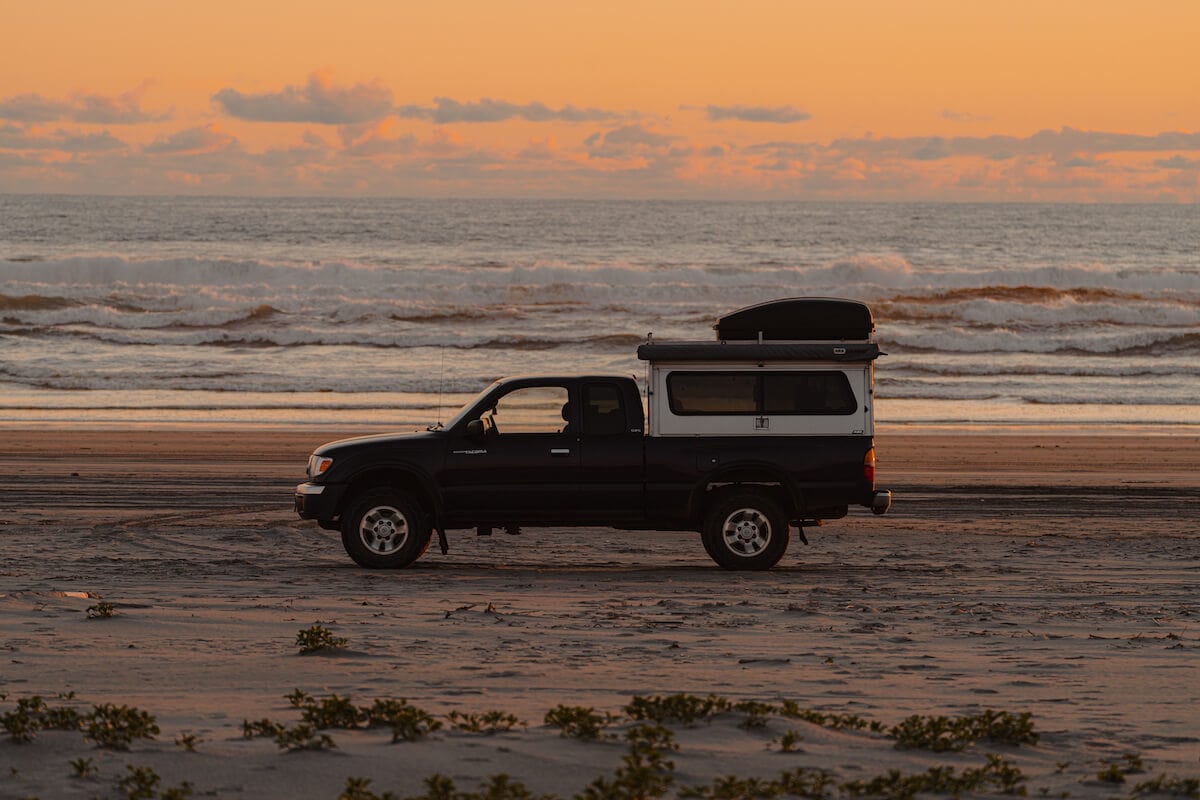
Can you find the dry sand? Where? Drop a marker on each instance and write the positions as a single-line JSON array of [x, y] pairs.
[[1048, 574]]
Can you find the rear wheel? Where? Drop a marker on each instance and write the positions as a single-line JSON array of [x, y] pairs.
[[385, 529], [745, 530]]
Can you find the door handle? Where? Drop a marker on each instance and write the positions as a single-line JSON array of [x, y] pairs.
[[560, 451]]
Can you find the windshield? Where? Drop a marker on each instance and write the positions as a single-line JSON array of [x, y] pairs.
[[462, 412]]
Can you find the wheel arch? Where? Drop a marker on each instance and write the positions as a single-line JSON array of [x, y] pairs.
[[741, 477], [402, 477]]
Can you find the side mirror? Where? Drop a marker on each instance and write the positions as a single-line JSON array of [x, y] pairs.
[[475, 428]]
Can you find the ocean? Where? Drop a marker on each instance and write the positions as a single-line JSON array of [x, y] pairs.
[[390, 313]]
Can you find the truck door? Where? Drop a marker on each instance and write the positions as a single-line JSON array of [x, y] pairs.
[[611, 472], [524, 469]]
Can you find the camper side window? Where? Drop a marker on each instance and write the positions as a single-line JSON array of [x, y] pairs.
[[760, 393]]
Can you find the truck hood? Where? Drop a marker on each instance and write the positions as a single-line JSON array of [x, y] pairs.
[[416, 439]]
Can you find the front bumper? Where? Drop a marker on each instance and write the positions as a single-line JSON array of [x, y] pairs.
[[881, 501], [317, 500]]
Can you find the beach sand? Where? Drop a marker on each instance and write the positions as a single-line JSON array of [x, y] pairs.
[[1055, 575]]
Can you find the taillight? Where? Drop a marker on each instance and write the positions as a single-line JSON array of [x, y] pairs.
[[869, 467]]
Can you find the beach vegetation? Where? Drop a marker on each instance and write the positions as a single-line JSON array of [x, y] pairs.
[[360, 789], [303, 737], [1115, 773], [487, 722], [141, 783], [262, 727], [756, 714], [407, 722], [83, 767], [837, 722], [32, 714], [116, 727], [580, 722], [23, 722], [188, 741], [997, 775], [940, 733], [789, 741], [332, 712], [804, 783], [645, 771], [317, 639], [1170, 785], [681, 709], [102, 610], [111, 726], [441, 787]]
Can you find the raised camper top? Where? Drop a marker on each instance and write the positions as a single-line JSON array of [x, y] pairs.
[[792, 329]]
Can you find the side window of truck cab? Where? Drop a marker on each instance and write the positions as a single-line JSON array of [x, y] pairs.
[[532, 409], [603, 410]]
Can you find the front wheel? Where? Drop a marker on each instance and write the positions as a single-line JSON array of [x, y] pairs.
[[746, 530], [385, 529]]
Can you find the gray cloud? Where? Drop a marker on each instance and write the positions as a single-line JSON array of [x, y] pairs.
[[628, 140], [203, 139], [124, 109], [448, 110], [931, 149], [781, 114], [1063, 144], [1177, 162], [317, 101], [13, 137], [376, 145]]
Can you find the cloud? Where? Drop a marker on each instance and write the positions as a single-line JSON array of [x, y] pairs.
[[202, 139], [124, 109], [779, 114], [448, 110], [964, 116], [628, 140], [1177, 162], [13, 137], [318, 101], [539, 150], [1062, 144], [931, 149], [376, 141]]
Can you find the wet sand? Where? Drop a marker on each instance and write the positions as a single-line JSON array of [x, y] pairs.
[[1050, 574]]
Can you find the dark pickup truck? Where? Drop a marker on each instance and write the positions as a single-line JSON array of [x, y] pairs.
[[742, 439]]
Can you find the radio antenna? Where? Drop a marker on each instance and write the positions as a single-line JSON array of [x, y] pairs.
[[441, 375]]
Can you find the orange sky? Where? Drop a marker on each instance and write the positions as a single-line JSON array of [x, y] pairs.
[[1048, 100]]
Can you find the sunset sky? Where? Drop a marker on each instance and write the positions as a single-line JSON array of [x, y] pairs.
[[859, 99]]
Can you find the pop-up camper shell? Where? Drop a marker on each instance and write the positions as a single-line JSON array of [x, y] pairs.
[[794, 367]]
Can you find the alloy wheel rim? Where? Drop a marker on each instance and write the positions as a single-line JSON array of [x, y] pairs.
[[383, 530], [746, 532]]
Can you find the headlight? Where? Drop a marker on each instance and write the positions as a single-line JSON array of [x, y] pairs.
[[318, 465]]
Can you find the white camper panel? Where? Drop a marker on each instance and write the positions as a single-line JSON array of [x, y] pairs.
[[740, 399]]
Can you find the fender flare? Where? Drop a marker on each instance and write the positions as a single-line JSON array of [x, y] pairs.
[[424, 482], [749, 473]]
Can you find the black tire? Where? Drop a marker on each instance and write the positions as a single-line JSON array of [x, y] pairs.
[[745, 530], [385, 529]]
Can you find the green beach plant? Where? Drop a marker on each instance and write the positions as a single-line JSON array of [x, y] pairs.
[[580, 722], [318, 638], [116, 727], [487, 722]]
